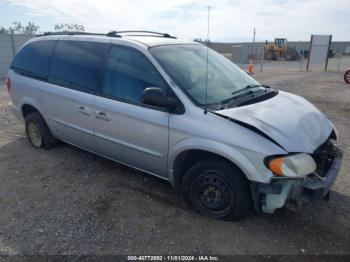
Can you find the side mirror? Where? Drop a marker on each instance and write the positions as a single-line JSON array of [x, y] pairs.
[[154, 96]]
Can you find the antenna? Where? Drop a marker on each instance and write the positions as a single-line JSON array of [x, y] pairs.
[[206, 73]]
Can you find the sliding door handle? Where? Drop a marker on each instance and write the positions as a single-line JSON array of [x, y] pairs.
[[103, 115]]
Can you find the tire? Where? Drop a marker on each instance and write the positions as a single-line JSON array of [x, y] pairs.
[[289, 56], [217, 189], [347, 76], [270, 55], [38, 133]]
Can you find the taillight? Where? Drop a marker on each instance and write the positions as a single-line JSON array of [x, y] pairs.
[[8, 83]]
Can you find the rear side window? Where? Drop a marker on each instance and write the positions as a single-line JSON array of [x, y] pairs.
[[128, 72], [34, 59], [77, 64]]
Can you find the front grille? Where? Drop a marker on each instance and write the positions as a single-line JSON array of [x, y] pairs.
[[324, 156]]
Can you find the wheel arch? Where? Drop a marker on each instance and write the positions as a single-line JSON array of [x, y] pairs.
[[187, 152], [27, 109], [29, 105]]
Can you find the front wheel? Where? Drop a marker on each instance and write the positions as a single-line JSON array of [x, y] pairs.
[[218, 189]]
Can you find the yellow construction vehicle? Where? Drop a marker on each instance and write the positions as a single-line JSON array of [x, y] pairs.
[[279, 49]]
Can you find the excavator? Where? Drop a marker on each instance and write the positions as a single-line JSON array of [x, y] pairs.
[[279, 49]]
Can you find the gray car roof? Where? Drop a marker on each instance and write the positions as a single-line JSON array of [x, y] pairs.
[[154, 41], [148, 41]]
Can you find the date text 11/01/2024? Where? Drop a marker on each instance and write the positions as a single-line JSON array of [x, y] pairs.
[[173, 258]]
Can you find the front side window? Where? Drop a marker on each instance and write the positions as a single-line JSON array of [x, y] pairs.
[[77, 64], [187, 66], [34, 59], [128, 72]]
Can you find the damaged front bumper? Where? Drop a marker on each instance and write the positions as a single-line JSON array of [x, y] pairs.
[[294, 192]]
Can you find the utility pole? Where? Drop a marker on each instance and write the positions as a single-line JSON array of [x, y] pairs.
[[207, 62], [254, 36], [252, 51]]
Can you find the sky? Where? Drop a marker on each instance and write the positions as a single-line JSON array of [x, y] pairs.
[[230, 20]]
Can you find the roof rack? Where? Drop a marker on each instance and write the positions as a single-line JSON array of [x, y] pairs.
[[77, 33], [141, 33], [112, 33]]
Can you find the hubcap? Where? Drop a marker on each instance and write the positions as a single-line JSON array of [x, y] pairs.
[[34, 134], [212, 193]]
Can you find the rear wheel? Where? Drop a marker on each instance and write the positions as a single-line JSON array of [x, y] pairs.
[[217, 189], [38, 133]]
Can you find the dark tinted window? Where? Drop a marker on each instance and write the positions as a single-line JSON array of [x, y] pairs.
[[77, 64], [128, 72], [34, 59]]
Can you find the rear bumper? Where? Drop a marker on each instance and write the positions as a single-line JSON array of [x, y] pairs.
[[295, 192]]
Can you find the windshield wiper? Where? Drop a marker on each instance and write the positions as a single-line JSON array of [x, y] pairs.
[[251, 86], [237, 96]]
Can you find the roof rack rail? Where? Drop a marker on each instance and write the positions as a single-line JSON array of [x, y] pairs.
[[142, 33], [112, 33], [77, 33]]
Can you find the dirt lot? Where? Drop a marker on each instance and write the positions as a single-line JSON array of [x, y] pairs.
[[66, 201]]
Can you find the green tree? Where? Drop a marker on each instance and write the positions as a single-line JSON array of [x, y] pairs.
[[70, 27], [18, 28], [30, 29], [3, 30]]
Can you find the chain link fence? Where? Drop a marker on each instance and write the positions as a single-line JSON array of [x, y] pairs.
[[340, 61], [242, 53], [9, 45]]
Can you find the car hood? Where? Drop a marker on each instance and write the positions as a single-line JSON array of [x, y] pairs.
[[289, 120]]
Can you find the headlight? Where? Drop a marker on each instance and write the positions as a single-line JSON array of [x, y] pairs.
[[297, 165]]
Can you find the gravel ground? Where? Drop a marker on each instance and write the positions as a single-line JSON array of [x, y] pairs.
[[67, 201]]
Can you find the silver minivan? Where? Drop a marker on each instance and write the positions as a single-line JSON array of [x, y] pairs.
[[177, 110]]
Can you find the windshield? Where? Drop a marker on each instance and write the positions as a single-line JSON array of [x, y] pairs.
[[186, 65]]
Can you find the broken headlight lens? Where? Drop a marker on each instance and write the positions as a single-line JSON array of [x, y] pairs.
[[297, 165]]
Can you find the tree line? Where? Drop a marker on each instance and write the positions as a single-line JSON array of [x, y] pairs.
[[32, 29]]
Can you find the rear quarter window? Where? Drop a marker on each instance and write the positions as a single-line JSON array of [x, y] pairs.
[[34, 59], [77, 64]]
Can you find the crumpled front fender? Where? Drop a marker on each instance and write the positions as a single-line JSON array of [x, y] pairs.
[[262, 174]]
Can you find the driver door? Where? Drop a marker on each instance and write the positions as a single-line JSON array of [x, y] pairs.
[[127, 130]]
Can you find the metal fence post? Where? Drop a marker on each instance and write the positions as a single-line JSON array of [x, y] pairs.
[[243, 56], [339, 59], [13, 45], [301, 60], [262, 60]]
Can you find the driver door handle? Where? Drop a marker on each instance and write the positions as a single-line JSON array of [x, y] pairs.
[[84, 110], [103, 115]]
